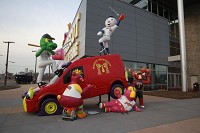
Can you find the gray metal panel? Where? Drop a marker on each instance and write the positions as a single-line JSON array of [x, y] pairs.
[[145, 58], [141, 36], [144, 44], [146, 26], [143, 13]]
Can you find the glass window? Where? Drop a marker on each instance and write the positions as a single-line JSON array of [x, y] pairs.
[[160, 11], [179, 80], [162, 68], [67, 77], [150, 66], [141, 65], [166, 13], [154, 7], [172, 80], [178, 51], [161, 74], [127, 64], [163, 77], [157, 81], [149, 6], [172, 44], [172, 51]]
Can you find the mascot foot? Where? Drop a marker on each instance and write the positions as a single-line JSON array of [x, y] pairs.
[[107, 109], [69, 112], [136, 109], [101, 50], [65, 114], [41, 83], [81, 114], [142, 107], [101, 105], [30, 93]]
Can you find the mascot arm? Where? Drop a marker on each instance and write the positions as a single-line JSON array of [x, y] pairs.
[[51, 51], [121, 17], [39, 52], [50, 47], [117, 93], [87, 88]]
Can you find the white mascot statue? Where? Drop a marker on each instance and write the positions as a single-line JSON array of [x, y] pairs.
[[111, 25]]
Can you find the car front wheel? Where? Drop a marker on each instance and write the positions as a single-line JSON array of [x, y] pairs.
[[50, 106]]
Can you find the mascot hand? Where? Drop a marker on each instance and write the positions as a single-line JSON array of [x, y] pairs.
[[52, 45], [148, 72], [86, 89], [121, 17], [99, 33], [117, 93], [58, 97], [89, 86]]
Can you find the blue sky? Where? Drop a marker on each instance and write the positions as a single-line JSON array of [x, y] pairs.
[[25, 21]]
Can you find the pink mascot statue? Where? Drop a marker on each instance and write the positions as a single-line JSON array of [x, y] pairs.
[[71, 100], [123, 104]]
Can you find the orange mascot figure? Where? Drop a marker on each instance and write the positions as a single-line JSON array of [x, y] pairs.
[[140, 78], [123, 104], [71, 99]]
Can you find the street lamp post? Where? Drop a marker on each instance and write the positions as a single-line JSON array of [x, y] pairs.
[[6, 72], [1, 55]]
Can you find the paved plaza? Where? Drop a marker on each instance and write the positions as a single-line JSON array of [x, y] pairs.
[[160, 115]]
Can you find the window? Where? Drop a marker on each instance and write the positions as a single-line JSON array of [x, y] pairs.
[[160, 11], [154, 7]]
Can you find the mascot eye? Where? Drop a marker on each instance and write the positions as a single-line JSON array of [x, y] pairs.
[[46, 40], [69, 87]]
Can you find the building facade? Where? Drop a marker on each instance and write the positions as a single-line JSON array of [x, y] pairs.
[[168, 9], [142, 39]]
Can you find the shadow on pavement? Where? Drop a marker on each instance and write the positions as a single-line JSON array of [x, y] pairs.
[[11, 84]]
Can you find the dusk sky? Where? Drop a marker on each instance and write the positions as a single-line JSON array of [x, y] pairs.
[[25, 21]]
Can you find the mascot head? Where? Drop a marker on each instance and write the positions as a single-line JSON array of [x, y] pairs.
[[76, 77], [47, 42], [110, 21], [130, 93], [141, 74]]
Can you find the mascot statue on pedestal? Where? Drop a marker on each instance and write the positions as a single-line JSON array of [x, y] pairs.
[[123, 104], [111, 25]]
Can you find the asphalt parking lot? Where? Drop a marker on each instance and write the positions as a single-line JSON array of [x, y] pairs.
[[160, 115]]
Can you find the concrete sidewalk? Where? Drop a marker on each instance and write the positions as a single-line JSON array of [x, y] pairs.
[[182, 126], [185, 126]]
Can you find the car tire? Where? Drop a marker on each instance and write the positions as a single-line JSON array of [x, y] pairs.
[[50, 106], [24, 94], [116, 86]]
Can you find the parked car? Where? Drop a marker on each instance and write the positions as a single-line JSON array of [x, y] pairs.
[[106, 73], [23, 79]]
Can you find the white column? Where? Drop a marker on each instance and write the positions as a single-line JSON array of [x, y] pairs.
[[182, 45]]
